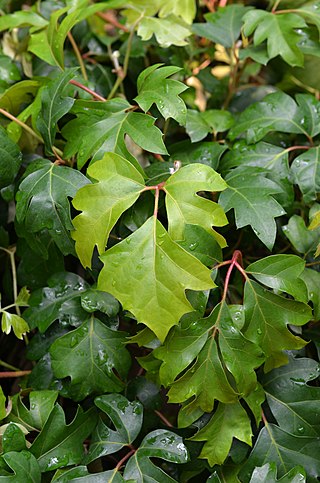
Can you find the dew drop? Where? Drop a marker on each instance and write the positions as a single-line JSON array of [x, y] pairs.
[[259, 331]]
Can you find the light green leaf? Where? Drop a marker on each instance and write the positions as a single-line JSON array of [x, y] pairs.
[[186, 9], [267, 317], [13, 321], [102, 203], [184, 206], [306, 173], [25, 466], [250, 193], [3, 411], [281, 272], [199, 124], [148, 270], [228, 422], [168, 31], [22, 18], [155, 88], [10, 158], [23, 297], [223, 26], [89, 355], [42, 201], [126, 417], [101, 127], [278, 31]]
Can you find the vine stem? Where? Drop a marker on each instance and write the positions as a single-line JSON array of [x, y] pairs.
[[6, 375], [124, 459], [156, 202], [275, 6], [78, 55], [87, 89], [163, 419], [237, 254], [9, 366], [22, 124]]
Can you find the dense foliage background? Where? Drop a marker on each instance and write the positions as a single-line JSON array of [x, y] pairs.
[[159, 230]]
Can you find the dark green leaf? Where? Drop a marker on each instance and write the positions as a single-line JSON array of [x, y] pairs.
[[93, 300], [199, 243], [306, 173], [208, 153], [41, 404], [10, 159], [302, 239], [312, 280], [268, 474], [25, 466], [199, 124], [13, 438]]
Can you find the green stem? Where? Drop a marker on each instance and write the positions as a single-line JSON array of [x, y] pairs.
[[22, 124], [8, 366]]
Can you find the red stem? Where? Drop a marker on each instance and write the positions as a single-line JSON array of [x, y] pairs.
[[124, 459], [90, 91], [163, 419], [14, 374]]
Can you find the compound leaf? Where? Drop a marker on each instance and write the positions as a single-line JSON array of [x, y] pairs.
[[89, 355], [148, 270], [126, 417], [103, 202], [306, 173], [228, 422], [42, 201], [250, 193], [155, 87]]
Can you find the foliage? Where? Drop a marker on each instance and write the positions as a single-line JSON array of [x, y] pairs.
[[159, 241]]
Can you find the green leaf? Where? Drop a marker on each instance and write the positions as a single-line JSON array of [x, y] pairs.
[[157, 444], [64, 476], [52, 302], [148, 270], [112, 476], [276, 112], [302, 239], [93, 300], [102, 204], [208, 153], [23, 297], [25, 466], [22, 18], [54, 105], [41, 404], [268, 474], [167, 31], [199, 243], [310, 11], [281, 272], [13, 321], [10, 159], [3, 411], [285, 449], [267, 317], [223, 26], [126, 417], [306, 173], [312, 280], [250, 193], [59, 444], [13, 439], [101, 126], [279, 31], [292, 401], [228, 422], [186, 9], [42, 201], [89, 355], [199, 124], [184, 206], [155, 88]]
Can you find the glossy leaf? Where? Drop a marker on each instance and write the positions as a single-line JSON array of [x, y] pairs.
[[112, 476], [42, 201], [93, 300], [312, 280], [13, 438], [161, 444], [223, 26], [268, 473], [126, 417], [100, 127], [267, 317], [306, 174], [51, 302], [154, 87], [60, 445], [250, 193], [299, 236], [25, 466], [95, 350], [101, 205], [228, 422], [199, 124], [41, 404], [54, 105], [201, 244], [10, 159], [185, 207], [147, 268]]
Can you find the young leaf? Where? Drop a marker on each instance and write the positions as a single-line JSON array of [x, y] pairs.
[[154, 87], [223, 26], [184, 206], [168, 31], [306, 173], [267, 316], [102, 203], [42, 201], [281, 272], [53, 301], [25, 466], [89, 355], [126, 417], [13, 321], [285, 449], [23, 297], [54, 105], [268, 473], [59, 444], [161, 444], [102, 126], [148, 271], [228, 422], [199, 124], [292, 401], [10, 159], [206, 379], [41, 405], [279, 31], [250, 193]]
